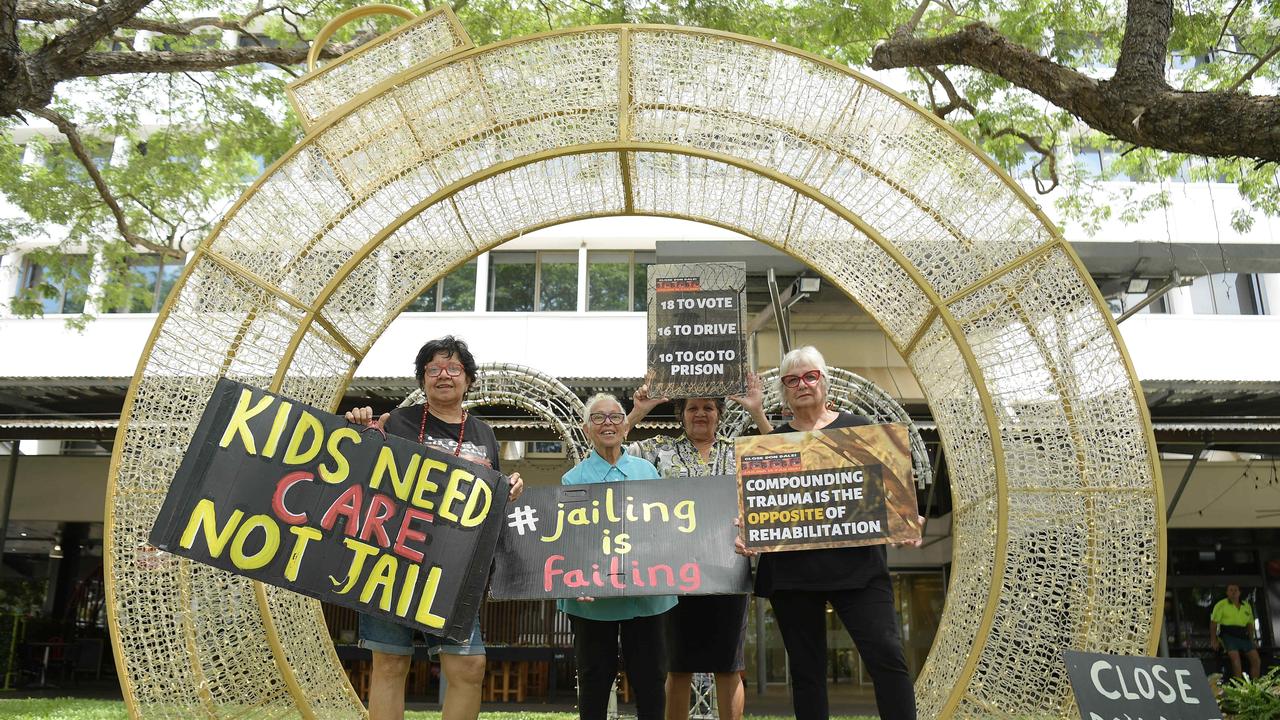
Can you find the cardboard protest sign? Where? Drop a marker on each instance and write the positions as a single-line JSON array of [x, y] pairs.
[[697, 340], [296, 497], [1126, 687], [840, 487], [616, 539]]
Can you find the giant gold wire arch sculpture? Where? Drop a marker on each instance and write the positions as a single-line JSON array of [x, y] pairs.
[[422, 151], [533, 391]]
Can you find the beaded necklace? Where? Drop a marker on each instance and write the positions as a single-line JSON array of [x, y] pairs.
[[462, 429]]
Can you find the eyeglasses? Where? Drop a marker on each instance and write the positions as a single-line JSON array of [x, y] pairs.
[[810, 378], [452, 370], [601, 418]]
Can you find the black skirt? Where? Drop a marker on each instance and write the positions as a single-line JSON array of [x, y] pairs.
[[705, 634]]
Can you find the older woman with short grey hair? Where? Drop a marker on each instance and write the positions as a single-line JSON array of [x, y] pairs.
[[637, 621], [854, 580]]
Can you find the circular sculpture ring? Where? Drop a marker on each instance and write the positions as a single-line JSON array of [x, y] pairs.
[[423, 151]]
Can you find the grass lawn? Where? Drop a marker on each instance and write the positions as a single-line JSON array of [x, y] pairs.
[[76, 709]]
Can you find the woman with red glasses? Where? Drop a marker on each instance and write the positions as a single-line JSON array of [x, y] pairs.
[[855, 580]]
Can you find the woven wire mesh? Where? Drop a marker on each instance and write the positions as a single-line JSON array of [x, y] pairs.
[[505, 384], [1056, 496], [851, 392]]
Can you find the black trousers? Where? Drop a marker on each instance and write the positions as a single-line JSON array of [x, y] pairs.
[[644, 655], [868, 615]]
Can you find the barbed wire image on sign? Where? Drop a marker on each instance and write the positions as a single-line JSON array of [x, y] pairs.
[[697, 344]]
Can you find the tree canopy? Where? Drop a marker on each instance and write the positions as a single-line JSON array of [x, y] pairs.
[[162, 124]]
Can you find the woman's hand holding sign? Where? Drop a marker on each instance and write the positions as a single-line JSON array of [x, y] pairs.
[[740, 546], [364, 416]]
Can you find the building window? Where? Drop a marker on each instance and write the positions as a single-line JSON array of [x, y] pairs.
[[533, 280], [1225, 294], [151, 277], [616, 280], [1121, 304], [545, 448], [60, 291], [456, 292]]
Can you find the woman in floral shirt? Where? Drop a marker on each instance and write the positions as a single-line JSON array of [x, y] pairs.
[[705, 633]]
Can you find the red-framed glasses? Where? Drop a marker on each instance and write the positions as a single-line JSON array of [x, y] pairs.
[[813, 377]]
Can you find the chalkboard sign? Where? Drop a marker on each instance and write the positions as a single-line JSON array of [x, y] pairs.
[[697, 342], [299, 498], [1126, 687], [620, 539]]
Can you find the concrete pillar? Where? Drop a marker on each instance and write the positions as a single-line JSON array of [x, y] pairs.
[[482, 285], [582, 277], [1179, 301]]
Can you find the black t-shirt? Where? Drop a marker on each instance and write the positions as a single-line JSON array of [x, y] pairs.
[[826, 569], [479, 444]]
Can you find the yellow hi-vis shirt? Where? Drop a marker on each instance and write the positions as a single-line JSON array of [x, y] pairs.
[[1224, 613]]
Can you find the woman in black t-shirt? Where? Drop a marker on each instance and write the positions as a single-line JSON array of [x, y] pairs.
[[445, 370], [854, 580]]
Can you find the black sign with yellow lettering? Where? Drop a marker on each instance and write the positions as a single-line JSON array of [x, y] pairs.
[[301, 499]]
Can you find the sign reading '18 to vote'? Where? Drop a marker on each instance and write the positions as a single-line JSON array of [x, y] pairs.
[[1125, 687], [301, 499], [618, 539], [840, 487], [697, 344]]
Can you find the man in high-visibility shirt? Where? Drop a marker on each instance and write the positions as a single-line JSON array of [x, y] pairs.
[[1232, 618]]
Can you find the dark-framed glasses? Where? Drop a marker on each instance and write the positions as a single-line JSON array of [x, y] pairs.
[[452, 370], [813, 377], [599, 418]]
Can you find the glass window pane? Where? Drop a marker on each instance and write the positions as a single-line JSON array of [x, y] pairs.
[[144, 272], [641, 280], [511, 276], [459, 292], [1233, 294], [426, 302], [608, 278], [559, 291], [169, 275]]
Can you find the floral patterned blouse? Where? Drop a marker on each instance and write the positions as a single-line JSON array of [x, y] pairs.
[[678, 457]]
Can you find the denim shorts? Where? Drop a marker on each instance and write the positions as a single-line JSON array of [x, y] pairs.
[[385, 636]]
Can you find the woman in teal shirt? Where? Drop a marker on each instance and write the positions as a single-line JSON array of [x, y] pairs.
[[638, 621]]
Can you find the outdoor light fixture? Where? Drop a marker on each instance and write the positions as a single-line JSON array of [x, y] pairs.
[[56, 552], [1137, 286], [810, 284]]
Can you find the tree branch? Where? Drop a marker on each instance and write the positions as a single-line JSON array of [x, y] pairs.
[[69, 130], [1215, 124], [10, 50], [1047, 155], [1145, 44], [1256, 67], [1226, 23], [65, 48], [98, 64], [954, 100]]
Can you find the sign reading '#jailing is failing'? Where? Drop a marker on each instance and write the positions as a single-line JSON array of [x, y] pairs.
[[620, 539], [298, 498], [827, 488]]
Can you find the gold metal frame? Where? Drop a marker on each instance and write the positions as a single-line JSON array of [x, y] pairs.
[[1036, 400]]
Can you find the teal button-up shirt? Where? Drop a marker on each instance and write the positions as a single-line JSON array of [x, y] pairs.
[[596, 469]]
